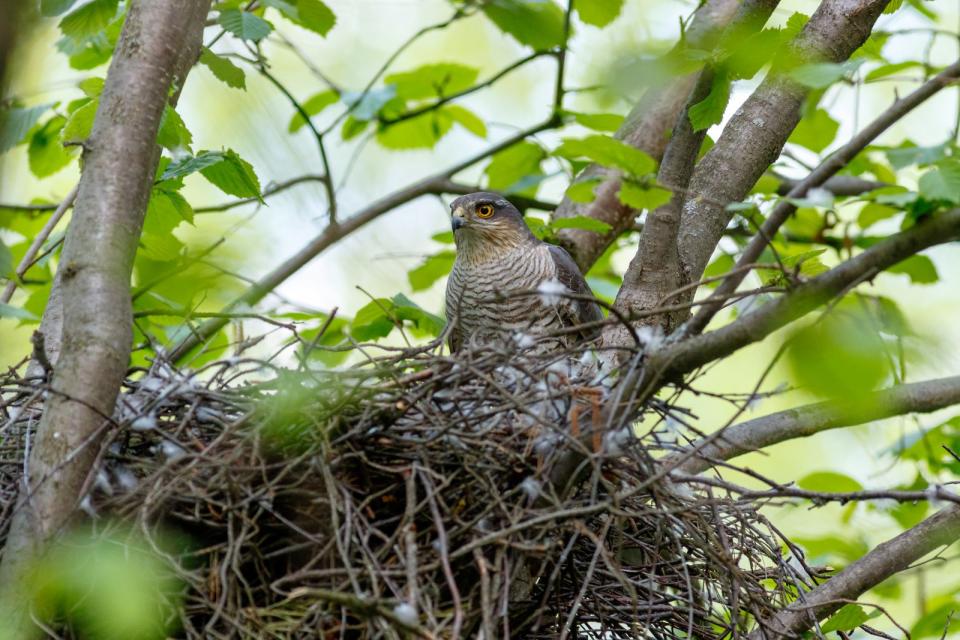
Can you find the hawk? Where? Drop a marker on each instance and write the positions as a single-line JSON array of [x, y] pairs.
[[496, 255]]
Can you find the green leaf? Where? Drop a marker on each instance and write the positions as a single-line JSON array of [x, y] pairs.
[[886, 70], [372, 321], [822, 549], [309, 14], [848, 618], [173, 133], [6, 260], [224, 70], [467, 119], [536, 23], [609, 152], [710, 110], [93, 51], [10, 311], [815, 131], [908, 153], [432, 81], [640, 196], [581, 222], [166, 210], [191, 164], [750, 52], [46, 153], [804, 263], [583, 190], [420, 132], [379, 317], [599, 13], [245, 25], [433, 268], [942, 182], [89, 19], [52, 8], [924, 10], [942, 622], [366, 106], [839, 355], [160, 247], [107, 587], [80, 123], [423, 321], [607, 122], [872, 213], [821, 75], [233, 175], [313, 105], [920, 269], [16, 123], [508, 167], [92, 87], [352, 127], [829, 482], [806, 222], [720, 266]]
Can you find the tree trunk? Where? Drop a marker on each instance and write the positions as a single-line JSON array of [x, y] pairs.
[[159, 43]]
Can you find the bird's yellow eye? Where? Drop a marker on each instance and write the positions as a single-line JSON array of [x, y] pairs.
[[484, 210]]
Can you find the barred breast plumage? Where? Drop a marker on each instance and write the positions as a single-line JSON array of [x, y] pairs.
[[497, 257]]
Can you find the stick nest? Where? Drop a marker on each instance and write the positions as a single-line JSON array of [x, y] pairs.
[[415, 495]]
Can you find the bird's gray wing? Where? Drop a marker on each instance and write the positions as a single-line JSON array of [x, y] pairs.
[[584, 311]]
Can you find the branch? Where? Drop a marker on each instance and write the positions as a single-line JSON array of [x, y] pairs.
[[645, 128], [837, 185], [818, 177], [335, 232], [654, 270], [456, 96], [685, 356], [756, 133], [269, 191], [159, 43], [887, 559], [801, 422], [28, 258]]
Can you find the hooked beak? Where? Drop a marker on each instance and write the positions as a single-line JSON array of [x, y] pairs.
[[457, 220]]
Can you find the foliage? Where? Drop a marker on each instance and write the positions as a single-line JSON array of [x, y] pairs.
[[434, 102]]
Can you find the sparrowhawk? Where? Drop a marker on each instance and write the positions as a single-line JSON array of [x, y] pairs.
[[497, 254]]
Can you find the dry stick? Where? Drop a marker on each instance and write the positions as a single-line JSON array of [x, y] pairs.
[[817, 177], [159, 43], [334, 232], [889, 558], [800, 422], [37, 243]]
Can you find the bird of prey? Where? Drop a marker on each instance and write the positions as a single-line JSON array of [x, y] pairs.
[[497, 254]]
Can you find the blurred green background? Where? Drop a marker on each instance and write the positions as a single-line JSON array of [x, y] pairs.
[[377, 258]]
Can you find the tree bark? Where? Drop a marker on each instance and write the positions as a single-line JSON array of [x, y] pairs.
[[159, 43], [646, 128], [755, 135], [801, 422]]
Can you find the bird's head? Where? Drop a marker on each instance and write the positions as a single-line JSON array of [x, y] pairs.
[[485, 221]]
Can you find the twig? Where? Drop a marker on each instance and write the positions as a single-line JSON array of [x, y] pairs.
[[27, 261]]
